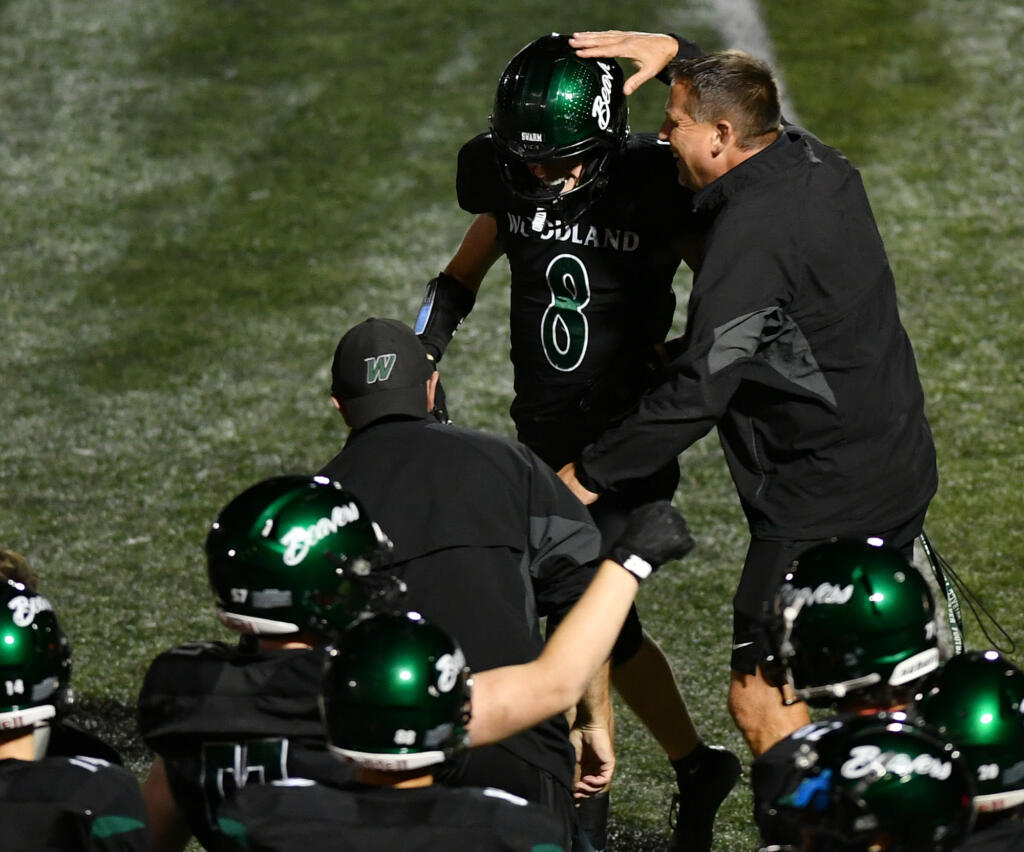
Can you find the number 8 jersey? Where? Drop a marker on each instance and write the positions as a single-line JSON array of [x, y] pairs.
[[589, 296]]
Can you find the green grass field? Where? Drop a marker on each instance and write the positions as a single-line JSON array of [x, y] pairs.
[[198, 197]]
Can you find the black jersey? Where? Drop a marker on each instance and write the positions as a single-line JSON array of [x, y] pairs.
[[68, 739], [67, 804], [318, 818], [775, 774], [588, 296], [223, 717]]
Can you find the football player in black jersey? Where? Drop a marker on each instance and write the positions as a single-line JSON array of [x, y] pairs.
[[281, 559], [594, 226], [46, 802], [877, 783], [398, 703], [66, 737]]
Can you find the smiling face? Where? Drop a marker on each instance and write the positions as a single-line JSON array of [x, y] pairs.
[[564, 174], [696, 145]]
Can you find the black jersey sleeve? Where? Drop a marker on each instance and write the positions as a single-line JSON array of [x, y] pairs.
[[478, 181], [68, 739], [71, 803]]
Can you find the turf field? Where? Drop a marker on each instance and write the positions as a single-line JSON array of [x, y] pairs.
[[198, 197]]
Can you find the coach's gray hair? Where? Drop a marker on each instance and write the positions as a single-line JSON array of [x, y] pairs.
[[734, 85]]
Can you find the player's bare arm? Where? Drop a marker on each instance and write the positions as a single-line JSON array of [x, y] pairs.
[[568, 475], [593, 736], [649, 52], [168, 831], [513, 698], [477, 253]]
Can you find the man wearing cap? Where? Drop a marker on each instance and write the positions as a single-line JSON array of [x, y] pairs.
[[486, 537]]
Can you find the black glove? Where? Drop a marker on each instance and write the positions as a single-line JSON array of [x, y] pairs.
[[655, 534], [440, 409]]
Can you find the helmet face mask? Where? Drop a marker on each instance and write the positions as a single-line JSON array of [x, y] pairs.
[[977, 701], [396, 694], [291, 554], [35, 661], [852, 616], [554, 108]]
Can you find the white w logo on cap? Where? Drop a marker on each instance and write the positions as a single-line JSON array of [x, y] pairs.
[[378, 369]]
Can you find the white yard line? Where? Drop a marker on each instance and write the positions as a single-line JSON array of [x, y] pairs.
[[739, 22]]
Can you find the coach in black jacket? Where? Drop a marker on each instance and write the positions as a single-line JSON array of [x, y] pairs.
[[485, 536], [793, 349]]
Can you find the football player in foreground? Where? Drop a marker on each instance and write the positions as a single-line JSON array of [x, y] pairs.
[[281, 559], [72, 803], [879, 784], [594, 225], [397, 703], [853, 630]]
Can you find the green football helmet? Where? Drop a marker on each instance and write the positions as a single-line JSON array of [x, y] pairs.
[[851, 614], [551, 105], [35, 659], [294, 553], [879, 783], [977, 700], [396, 693]]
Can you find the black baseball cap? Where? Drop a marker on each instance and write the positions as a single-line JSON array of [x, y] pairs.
[[380, 368]]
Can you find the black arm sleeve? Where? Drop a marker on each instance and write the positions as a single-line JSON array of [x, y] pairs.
[[446, 303]]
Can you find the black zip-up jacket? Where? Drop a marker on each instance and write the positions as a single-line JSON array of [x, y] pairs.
[[795, 351], [487, 539]]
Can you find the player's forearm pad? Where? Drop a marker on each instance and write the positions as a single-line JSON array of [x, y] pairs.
[[446, 304]]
